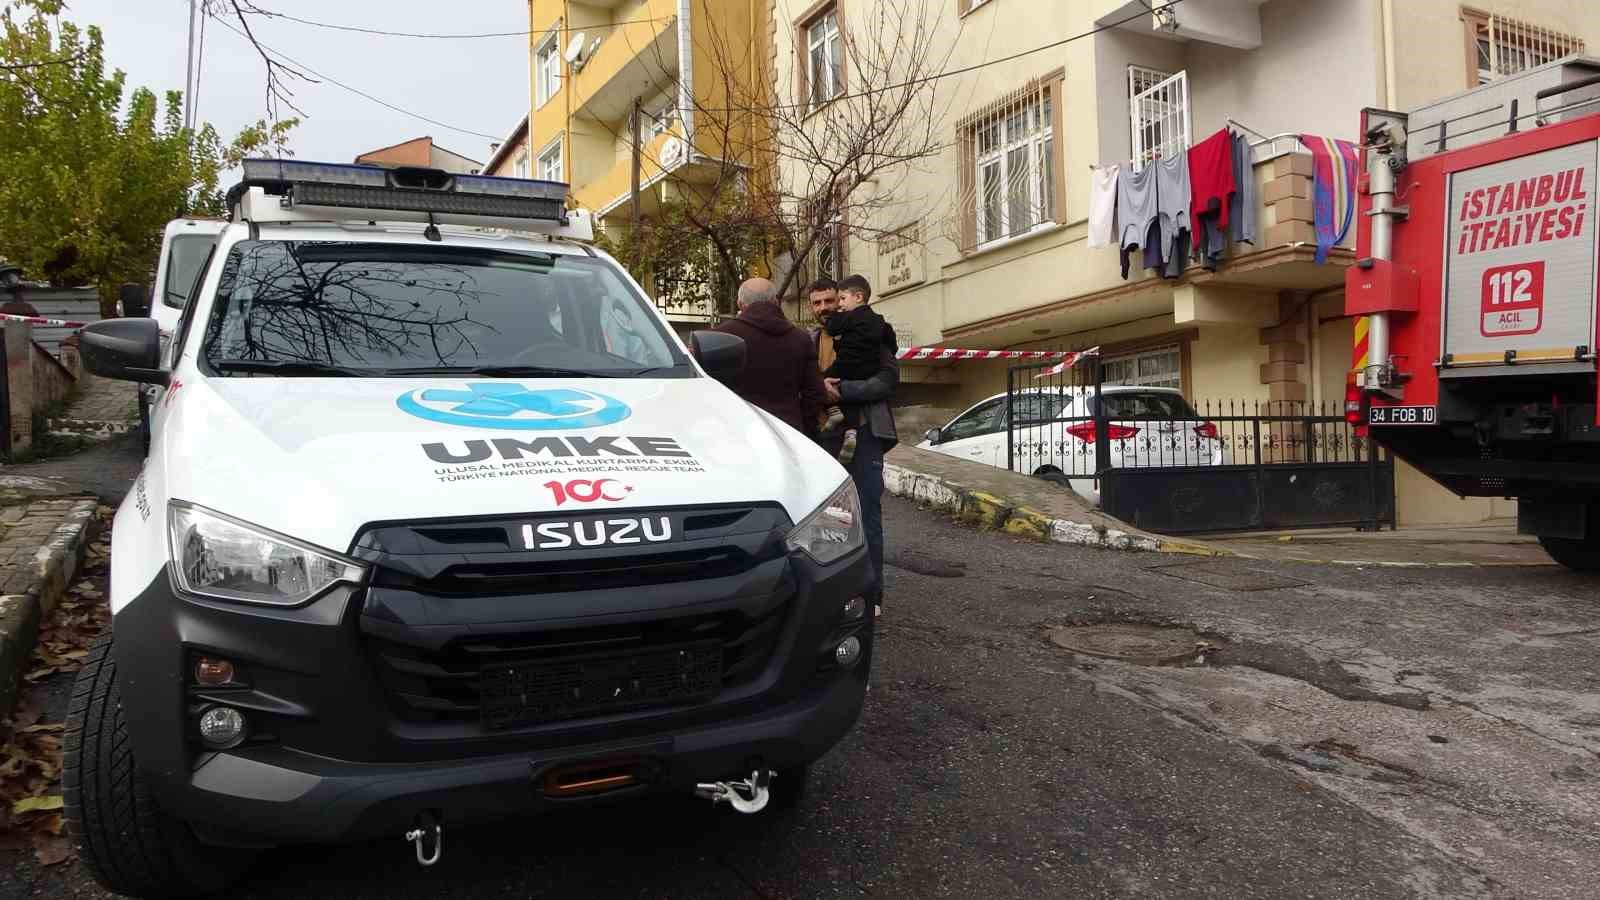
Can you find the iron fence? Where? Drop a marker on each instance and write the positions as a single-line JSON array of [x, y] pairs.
[[1151, 457]]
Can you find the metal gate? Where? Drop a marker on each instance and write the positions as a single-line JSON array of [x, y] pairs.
[[1154, 461]]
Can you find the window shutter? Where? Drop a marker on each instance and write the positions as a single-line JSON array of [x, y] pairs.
[[1058, 146], [967, 160]]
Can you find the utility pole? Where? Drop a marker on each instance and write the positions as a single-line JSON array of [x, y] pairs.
[[634, 126], [188, 80]]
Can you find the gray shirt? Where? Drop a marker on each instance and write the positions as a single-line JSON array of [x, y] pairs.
[[1242, 208], [1157, 192]]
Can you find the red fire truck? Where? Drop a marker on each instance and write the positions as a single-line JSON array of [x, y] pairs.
[[1478, 258]]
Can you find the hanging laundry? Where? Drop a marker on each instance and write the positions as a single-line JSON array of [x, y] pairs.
[[1211, 176], [1242, 210], [1102, 204], [1333, 189], [1173, 201], [1153, 214], [1137, 210], [1211, 173]]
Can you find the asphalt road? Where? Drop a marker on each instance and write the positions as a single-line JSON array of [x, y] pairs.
[[1338, 733]]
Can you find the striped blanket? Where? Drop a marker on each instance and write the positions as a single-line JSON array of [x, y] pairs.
[[1333, 189]]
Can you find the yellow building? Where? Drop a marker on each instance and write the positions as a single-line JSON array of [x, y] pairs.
[[679, 69], [989, 248]]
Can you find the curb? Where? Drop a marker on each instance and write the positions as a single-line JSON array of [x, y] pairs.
[[990, 512], [55, 564]]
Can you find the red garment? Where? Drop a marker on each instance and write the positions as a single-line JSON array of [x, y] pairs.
[[1211, 177]]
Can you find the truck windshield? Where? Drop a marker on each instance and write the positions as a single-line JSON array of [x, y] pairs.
[[319, 308], [187, 254]]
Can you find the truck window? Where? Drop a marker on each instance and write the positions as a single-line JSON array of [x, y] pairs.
[[186, 258], [380, 309]]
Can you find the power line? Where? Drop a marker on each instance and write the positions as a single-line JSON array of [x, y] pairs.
[[457, 36], [951, 73], [357, 91]]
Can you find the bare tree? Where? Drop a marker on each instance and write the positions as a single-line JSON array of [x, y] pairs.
[[776, 172], [772, 171]]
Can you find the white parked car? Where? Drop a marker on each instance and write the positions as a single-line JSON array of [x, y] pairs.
[[1055, 434]]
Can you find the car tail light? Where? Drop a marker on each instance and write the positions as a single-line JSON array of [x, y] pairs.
[[1085, 431], [1207, 430]]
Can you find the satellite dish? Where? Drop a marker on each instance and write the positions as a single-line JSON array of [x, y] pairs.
[[672, 150], [575, 49]]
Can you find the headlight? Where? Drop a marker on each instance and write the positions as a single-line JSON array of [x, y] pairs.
[[217, 556], [834, 530]]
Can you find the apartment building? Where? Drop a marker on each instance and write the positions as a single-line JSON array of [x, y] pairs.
[[678, 69], [989, 248]]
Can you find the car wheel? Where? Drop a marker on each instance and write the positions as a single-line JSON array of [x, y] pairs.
[[123, 837], [1577, 555]]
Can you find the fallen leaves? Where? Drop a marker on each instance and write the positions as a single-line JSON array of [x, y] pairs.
[[30, 757], [36, 804]]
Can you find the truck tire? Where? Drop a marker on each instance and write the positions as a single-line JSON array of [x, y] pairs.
[[1579, 556], [122, 836]]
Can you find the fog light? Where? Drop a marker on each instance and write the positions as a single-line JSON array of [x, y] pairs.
[[848, 652], [222, 727], [213, 672], [855, 607]]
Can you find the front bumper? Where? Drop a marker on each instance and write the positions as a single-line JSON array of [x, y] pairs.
[[333, 757]]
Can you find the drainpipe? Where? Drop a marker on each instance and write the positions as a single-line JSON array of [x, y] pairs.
[[686, 76]]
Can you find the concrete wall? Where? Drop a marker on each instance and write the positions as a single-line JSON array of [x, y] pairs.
[[1426, 58]]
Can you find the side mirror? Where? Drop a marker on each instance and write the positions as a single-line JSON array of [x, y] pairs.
[[124, 349], [721, 355], [934, 436], [135, 300]]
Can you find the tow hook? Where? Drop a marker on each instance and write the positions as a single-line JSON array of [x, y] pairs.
[[747, 796], [417, 836]]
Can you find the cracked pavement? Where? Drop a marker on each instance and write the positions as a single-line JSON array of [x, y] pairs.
[[1347, 732]]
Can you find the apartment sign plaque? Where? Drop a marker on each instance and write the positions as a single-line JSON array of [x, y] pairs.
[[900, 260]]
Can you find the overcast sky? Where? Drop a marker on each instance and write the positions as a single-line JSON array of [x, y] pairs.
[[479, 85]]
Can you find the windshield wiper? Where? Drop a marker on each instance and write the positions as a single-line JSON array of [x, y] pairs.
[[291, 367], [502, 371]]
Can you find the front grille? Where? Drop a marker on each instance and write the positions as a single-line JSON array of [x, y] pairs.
[[471, 678]]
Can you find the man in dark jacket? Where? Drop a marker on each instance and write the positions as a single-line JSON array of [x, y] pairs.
[[780, 372]]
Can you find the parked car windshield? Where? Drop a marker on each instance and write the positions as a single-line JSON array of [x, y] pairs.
[[1145, 405], [340, 308], [185, 257]]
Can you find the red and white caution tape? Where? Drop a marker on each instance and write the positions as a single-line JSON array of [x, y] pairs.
[[37, 320], [953, 353], [1067, 363]]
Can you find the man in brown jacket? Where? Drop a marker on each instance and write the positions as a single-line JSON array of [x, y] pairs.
[[780, 374]]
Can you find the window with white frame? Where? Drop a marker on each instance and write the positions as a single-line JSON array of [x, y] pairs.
[[1158, 111], [825, 57], [1161, 367], [1507, 46], [522, 168], [550, 168], [547, 67], [1014, 151]]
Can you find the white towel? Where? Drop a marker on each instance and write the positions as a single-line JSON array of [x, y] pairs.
[[1102, 205]]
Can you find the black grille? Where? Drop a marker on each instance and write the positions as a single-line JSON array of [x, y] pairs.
[[470, 678]]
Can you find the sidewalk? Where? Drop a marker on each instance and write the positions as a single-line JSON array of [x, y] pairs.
[[999, 499], [103, 408], [1019, 505], [1494, 543]]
